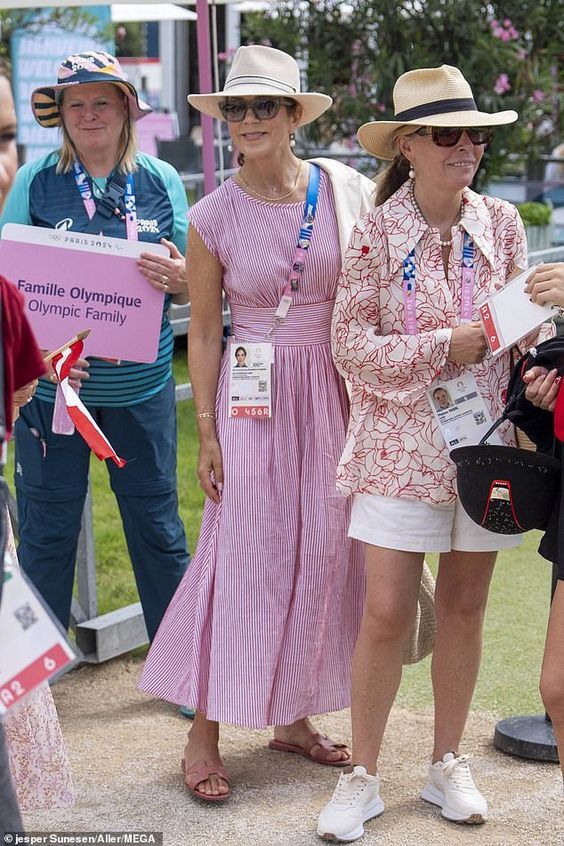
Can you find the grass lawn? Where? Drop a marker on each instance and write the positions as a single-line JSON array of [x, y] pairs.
[[516, 616], [513, 638], [116, 586]]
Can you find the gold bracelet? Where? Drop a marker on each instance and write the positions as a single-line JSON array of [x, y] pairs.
[[205, 415]]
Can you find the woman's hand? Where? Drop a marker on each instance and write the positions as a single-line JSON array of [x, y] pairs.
[[25, 394], [165, 273], [210, 462], [542, 387], [546, 284], [77, 373], [468, 344]]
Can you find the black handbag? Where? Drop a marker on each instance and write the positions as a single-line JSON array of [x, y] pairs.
[[508, 490]]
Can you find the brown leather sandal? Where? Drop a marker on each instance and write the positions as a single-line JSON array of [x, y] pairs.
[[199, 772], [320, 756]]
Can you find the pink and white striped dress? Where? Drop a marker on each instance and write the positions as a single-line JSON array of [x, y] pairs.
[[262, 628]]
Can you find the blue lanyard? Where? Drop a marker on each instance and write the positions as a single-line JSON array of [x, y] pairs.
[[306, 229], [130, 209], [409, 286], [304, 240], [83, 186]]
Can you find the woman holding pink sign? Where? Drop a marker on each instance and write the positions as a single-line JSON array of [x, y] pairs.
[[98, 182], [34, 752]]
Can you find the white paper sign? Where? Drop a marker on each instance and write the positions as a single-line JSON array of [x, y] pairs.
[[460, 411], [509, 315], [32, 647]]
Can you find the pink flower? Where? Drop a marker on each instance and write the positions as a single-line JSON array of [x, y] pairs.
[[381, 107], [538, 96], [502, 84], [521, 54], [507, 32], [227, 55]]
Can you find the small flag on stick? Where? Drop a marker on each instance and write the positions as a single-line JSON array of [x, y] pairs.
[[80, 337], [84, 422]]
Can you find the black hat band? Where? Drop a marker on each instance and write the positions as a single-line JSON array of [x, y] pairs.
[[438, 107]]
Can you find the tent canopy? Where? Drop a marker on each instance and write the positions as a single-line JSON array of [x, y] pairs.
[[37, 4], [125, 12]]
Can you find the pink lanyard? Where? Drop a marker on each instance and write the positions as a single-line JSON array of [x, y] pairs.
[[83, 186], [467, 295]]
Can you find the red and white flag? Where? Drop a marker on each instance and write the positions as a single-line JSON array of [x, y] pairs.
[[77, 411]]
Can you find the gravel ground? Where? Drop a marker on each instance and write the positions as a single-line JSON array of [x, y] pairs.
[[125, 751]]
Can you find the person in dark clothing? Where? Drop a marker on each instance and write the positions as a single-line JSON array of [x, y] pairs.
[[546, 285]]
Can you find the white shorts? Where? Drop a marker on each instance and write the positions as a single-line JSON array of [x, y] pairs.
[[414, 526]]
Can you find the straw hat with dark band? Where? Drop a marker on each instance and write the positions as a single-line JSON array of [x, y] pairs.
[[428, 97], [259, 71], [80, 69]]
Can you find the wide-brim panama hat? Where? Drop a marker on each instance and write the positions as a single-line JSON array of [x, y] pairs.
[[428, 97], [81, 69], [259, 71], [505, 489]]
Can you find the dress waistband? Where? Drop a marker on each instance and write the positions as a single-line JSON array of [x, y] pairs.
[[305, 324]]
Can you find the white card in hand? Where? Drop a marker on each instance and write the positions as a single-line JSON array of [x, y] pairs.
[[509, 315]]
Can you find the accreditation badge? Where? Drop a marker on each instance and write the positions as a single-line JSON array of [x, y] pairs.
[[33, 647], [250, 380], [460, 411]]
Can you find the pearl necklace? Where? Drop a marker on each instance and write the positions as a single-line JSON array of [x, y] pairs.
[[264, 196], [447, 243]]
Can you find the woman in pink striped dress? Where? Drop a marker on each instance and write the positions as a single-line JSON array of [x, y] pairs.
[[262, 628]]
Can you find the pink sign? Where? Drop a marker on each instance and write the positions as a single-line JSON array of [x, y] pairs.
[[156, 126], [73, 282]]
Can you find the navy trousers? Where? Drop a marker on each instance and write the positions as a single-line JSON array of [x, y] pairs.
[[51, 478]]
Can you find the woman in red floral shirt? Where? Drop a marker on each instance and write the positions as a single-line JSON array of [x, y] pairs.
[[405, 324]]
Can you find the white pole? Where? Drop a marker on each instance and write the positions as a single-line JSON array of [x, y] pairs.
[[167, 53]]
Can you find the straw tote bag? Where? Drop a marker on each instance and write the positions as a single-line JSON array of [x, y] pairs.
[[422, 636], [523, 441]]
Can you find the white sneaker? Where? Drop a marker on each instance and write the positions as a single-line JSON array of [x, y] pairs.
[[356, 799], [450, 786]]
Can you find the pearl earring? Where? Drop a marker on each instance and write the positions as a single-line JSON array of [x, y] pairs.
[[230, 147], [411, 173], [292, 140]]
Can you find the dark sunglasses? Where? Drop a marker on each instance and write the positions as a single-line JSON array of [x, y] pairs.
[[449, 136], [234, 109]]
